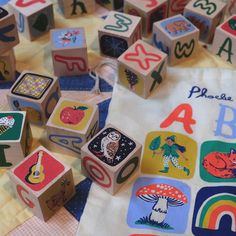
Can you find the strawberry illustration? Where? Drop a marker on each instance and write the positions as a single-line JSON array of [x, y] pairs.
[[72, 115]]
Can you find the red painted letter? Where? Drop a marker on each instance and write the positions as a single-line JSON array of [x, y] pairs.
[[20, 189], [22, 3], [187, 119]]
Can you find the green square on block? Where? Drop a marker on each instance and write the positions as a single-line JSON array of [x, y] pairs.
[[10, 125]]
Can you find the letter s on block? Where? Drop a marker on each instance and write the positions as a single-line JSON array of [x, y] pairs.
[[23, 196]]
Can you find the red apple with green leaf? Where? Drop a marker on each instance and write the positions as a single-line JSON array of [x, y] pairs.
[[72, 115]]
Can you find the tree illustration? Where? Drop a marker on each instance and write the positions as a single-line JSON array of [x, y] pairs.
[[155, 144]]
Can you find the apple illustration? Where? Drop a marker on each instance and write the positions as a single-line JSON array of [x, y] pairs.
[[72, 115]]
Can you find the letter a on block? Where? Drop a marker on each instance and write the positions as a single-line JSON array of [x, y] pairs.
[[226, 47], [187, 119], [21, 191], [226, 111]]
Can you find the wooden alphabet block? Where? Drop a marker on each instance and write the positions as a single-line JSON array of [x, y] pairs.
[[142, 68], [224, 44], [176, 7], [34, 18], [149, 11], [206, 15], [118, 33], [8, 31], [15, 138], [73, 8], [37, 94], [69, 51], [111, 158], [7, 66], [42, 183], [71, 125], [116, 5], [177, 37]]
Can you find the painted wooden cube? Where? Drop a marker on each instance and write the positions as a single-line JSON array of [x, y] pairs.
[[149, 11], [8, 31], [7, 66], [69, 51], [34, 18], [37, 94], [42, 183], [15, 138], [206, 15], [177, 37], [118, 33], [71, 125], [142, 68], [112, 4], [176, 7], [71, 8], [224, 44], [111, 158]]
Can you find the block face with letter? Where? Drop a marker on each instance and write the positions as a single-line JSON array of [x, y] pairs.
[[142, 68], [111, 158], [72, 8], [37, 94], [206, 15], [224, 43], [42, 183], [118, 33], [15, 138], [7, 66], [149, 11], [34, 18], [177, 37], [8, 31], [69, 51], [71, 125]]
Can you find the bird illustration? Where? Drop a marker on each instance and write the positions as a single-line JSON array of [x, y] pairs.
[[110, 145]]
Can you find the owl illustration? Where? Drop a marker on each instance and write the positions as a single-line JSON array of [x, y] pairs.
[[110, 145]]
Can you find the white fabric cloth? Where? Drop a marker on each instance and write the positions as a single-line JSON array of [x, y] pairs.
[[106, 215]]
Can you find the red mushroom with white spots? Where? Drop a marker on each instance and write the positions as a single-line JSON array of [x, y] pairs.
[[163, 196]]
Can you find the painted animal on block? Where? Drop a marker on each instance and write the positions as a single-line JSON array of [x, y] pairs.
[[205, 14], [220, 164], [69, 51], [112, 154], [176, 36]]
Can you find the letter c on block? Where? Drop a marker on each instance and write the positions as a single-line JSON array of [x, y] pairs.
[[23, 196]]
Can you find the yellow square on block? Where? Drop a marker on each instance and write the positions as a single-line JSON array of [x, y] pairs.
[[73, 115]]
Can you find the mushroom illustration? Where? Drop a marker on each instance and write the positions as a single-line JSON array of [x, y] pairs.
[[163, 196]]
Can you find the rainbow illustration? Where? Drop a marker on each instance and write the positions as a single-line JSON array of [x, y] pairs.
[[214, 208]]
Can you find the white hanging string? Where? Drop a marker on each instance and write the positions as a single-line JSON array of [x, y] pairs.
[[95, 75]]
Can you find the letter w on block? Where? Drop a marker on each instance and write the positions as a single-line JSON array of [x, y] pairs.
[[72, 62]]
